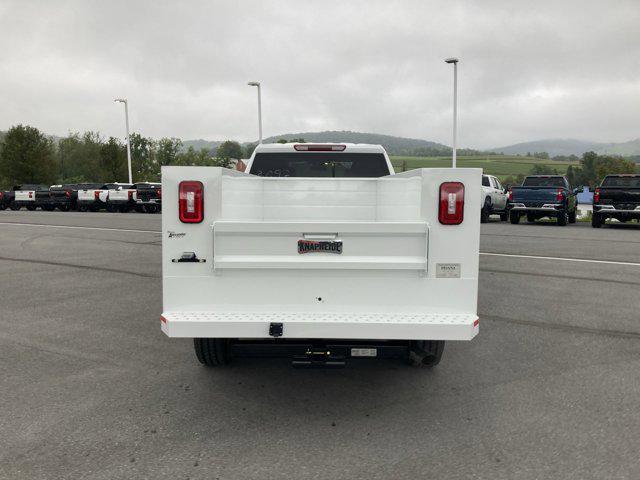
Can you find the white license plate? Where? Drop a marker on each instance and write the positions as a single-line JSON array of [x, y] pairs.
[[364, 352]]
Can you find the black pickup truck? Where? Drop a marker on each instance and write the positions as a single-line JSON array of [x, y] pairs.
[[65, 197], [30, 196], [6, 197], [148, 197], [618, 196], [543, 196]]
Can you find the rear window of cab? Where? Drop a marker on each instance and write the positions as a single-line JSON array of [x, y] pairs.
[[319, 164]]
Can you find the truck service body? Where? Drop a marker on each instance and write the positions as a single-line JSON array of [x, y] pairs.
[[320, 253]]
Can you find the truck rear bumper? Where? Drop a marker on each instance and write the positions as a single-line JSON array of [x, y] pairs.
[[374, 326], [548, 207]]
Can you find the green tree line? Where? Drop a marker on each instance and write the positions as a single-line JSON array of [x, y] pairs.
[[590, 172], [29, 156]]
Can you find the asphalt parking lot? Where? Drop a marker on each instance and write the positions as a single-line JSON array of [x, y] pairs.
[[90, 387]]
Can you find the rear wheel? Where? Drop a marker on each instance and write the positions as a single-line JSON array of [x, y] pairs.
[[514, 217], [573, 215], [31, 208], [63, 208], [110, 208], [212, 352], [563, 218], [427, 353], [14, 206], [504, 216], [83, 208], [125, 209], [486, 211], [151, 209], [531, 217], [596, 220]]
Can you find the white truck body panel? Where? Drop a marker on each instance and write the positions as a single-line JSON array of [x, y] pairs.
[[25, 196], [90, 196], [121, 195], [401, 274]]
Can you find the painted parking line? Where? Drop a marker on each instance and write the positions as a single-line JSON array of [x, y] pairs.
[[562, 259], [79, 228]]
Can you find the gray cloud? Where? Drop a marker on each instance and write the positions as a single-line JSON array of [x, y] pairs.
[[528, 70]]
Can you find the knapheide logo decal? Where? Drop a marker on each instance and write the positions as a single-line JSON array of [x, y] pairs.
[[313, 246]]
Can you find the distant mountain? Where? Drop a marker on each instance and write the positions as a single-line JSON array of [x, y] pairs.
[[199, 144], [570, 146], [393, 145]]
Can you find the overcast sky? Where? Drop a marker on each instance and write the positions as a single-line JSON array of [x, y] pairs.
[[528, 70]]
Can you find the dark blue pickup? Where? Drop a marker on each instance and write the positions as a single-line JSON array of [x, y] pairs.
[[542, 196]]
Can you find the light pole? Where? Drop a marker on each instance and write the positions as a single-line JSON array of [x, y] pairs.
[[257, 84], [126, 116], [455, 106]]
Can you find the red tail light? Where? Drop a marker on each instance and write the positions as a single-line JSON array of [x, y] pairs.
[[596, 195], [67, 193], [96, 195], [191, 201], [307, 147], [451, 211], [509, 194], [159, 192], [130, 193], [1, 194], [560, 195]]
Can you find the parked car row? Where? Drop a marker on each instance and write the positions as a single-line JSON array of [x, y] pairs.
[[551, 196], [83, 197]]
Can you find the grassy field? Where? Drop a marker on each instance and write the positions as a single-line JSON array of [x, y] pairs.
[[499, 165]]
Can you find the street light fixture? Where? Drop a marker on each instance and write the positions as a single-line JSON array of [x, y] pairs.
[[257, 84], [455, 106], [126, 116]]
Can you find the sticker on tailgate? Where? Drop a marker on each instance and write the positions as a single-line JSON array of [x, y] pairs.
[[313, 246], [447, 270]]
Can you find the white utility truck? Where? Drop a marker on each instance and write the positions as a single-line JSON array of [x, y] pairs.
[[318, 252]]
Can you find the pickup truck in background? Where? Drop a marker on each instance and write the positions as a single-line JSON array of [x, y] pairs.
[[618, 196], [494, 199], [148, 197], [6, 197], [121, 198], [26, 196], [65, 197], [320, 254], [542, 196], [94, 197]]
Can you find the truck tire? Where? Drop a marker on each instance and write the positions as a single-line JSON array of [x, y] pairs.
[[514, 217], [212, 352], [504, 216], [14, 206], [531, 217], [425, 353], [64, 208], [31, 208], [563, 218], [48, 208], [151, 209], [111, 208], [486, 211], [573, 215], [596, 220]]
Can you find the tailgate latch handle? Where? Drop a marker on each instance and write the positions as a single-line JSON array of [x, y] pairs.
[[188, 257]]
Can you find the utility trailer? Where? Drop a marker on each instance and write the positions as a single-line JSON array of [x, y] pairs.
[[320, 270]]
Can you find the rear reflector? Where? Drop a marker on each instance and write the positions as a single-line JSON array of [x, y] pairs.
[[306, 147], [191, 201], [451, 211]]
